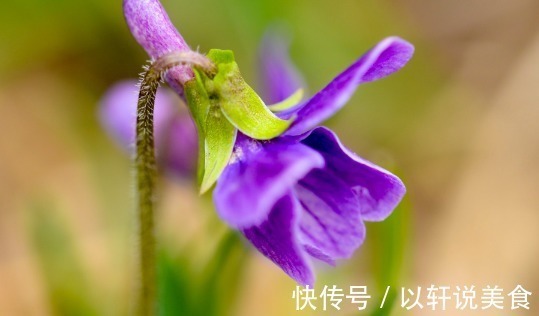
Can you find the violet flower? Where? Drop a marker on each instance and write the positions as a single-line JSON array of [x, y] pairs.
[[302, 194], [175, 133]]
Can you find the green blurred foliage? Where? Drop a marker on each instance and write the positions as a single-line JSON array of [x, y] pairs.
[[390, 256], [69, 292], [210, 291]]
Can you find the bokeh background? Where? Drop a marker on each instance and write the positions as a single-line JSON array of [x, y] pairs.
[[459, 124]]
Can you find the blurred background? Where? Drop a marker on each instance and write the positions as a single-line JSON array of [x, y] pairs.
[[459, 125]]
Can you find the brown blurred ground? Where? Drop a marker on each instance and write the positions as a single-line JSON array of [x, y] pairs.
[[471, 166]]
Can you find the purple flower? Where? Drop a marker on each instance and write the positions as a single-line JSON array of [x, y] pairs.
[[175, 134], [151, 27], [302, 194]]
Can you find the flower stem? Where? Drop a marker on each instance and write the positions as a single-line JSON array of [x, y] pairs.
[[146, 175], [146, 179]]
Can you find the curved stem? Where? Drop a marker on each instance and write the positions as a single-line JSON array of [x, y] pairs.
[[146, 175], [146, 178]]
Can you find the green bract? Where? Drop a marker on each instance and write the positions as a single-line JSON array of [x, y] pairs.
[[240, 103], [223, 103], [287, 103], [216, 136]]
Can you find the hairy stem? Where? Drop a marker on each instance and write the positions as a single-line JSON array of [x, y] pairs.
[[146, 178], [146, 174]]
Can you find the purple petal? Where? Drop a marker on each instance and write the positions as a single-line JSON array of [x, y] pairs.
[[174, 132], [331, 227], [278, 75], [276, 238], [118, 112], [258, 176], [178, 150], [384, 59], [151, 27], [377, 191]]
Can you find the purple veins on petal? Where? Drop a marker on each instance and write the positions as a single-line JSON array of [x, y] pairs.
[[326, 201], [258, 176], [291, 204], [328, 192], [277, 239], [377, 191], [331, 226]]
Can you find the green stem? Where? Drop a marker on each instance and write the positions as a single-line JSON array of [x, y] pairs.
[[146, 175], [146, 179]]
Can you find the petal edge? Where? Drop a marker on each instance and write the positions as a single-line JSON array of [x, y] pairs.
[[258, 176], [388, 56], [276, 239], [377, 190]]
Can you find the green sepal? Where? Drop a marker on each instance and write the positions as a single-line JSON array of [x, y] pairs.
[[197, 100], [287, 103], [221, 56], [239, 102], [216, 136], [199, 104], [222, 103], [219, 143]]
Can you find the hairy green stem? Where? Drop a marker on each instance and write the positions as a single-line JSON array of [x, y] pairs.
[[146, 175], [146, 179]]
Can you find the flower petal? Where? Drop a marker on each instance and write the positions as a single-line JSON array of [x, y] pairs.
[[331, 227], [174, 132], [151, 27], [377, 191], [276, 239], [118, 113], [278, 75], [180, 146], [258, 176], [384, 59]]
